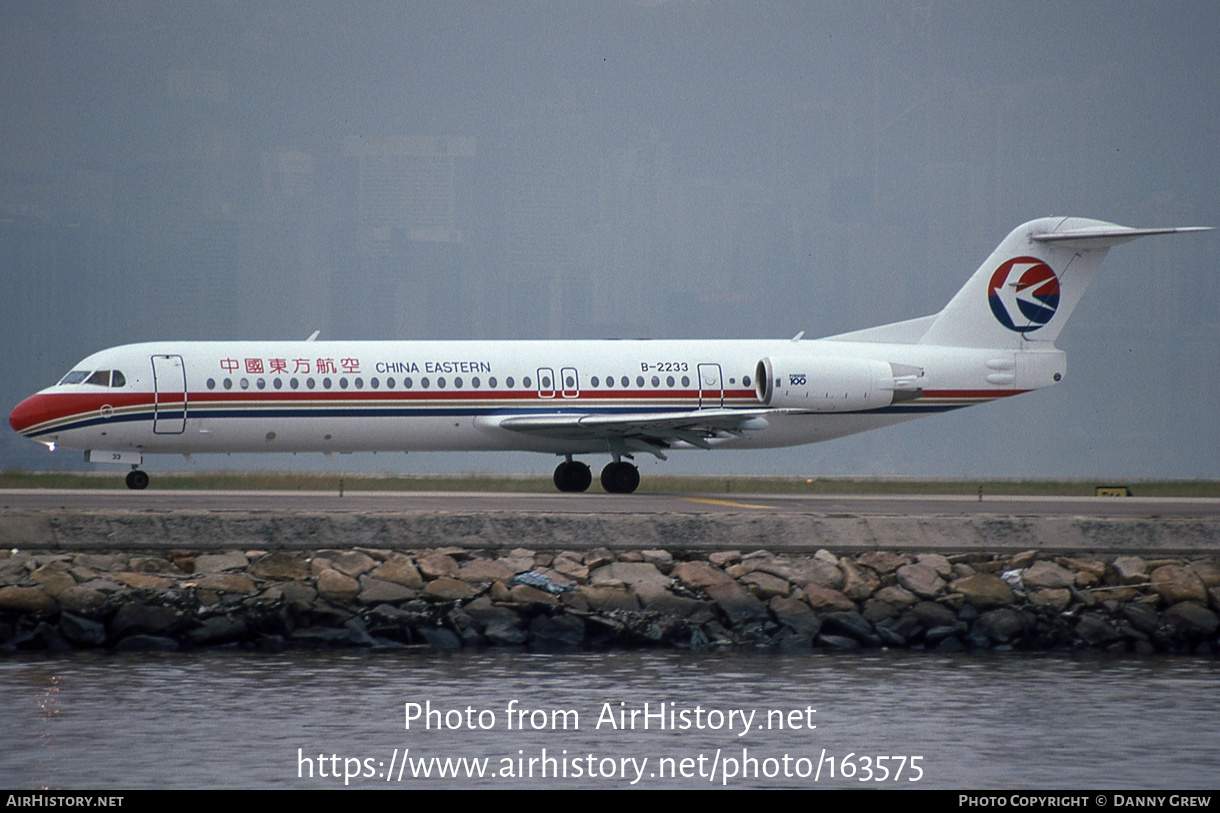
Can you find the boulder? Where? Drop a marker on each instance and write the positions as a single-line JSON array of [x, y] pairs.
[[630, 573], [280, 566], [1047, 575], [1175, 583], [1129, 570], [27, 600], [336, 586], [606, 599], [824, 599], [227, 583], [699, 575], [484, 571], [399, 569], [444, 588], [984, 590], [737, 604], [920, 579], [216, 562], [379, 591]]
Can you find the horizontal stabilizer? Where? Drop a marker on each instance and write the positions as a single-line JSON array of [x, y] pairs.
[[1104, 237]]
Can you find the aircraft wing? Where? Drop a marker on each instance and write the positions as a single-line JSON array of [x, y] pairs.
[[650, 432]]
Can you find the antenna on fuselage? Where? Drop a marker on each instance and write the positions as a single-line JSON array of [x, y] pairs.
[[313, 335]]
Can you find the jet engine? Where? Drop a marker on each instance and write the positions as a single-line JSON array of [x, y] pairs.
[[822, 384]]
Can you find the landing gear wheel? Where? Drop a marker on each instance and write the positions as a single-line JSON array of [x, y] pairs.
[[573, 476], [620, 478], [137, 480]]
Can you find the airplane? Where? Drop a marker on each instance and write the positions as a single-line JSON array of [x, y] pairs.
[[994, 339]]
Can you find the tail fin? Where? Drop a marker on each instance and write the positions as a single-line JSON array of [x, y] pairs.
[[1030, 284]]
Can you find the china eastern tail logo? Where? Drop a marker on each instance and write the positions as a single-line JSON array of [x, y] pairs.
[[1023, 294]]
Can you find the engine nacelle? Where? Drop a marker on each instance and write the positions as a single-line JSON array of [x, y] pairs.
[[833, 384]]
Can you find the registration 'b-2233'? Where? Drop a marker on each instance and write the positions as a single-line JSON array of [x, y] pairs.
[[994, 339]]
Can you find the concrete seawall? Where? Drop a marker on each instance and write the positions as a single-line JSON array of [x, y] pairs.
[[794, 533]]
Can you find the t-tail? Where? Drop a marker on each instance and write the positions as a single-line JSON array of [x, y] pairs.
[[1022, 296]]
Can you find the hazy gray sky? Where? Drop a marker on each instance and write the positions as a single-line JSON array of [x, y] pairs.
[[668, 169]]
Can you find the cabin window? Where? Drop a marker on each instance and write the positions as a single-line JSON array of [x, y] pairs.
[[389, 383], [457, 383], [261, 383], [211, 383], [423, 382], [118, 380], [546, 382], [75, 377], [474, 382], [669, 382], [596, 381], [279, 383], [686, 381], [294, 383], [570, 383], [406, 382], [228, 383], [745, 381], [491, 382], [509, 382], [656, 381], [374, 383], [309, 382], [359, 383], [639, 380], [342, 383], [626, 381], [245, 383], [526, 382], [440, 383], [326, 382]]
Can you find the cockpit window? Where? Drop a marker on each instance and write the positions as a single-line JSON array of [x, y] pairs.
[[101, 378], [75, 377], [118, 379]]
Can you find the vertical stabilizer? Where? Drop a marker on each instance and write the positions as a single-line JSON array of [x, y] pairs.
[[1024, 293]]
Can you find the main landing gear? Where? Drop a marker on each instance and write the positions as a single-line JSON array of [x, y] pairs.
[[619, 477], [137, 480], [572, 475]]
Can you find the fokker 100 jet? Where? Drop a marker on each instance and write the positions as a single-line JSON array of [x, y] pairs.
[[995, 339]]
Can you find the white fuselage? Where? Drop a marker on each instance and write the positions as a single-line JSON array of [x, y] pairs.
[[433, 396]]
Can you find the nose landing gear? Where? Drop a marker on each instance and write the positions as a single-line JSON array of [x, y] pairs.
[[137, 480]]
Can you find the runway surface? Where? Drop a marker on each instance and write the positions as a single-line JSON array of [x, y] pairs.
[[400, 502]]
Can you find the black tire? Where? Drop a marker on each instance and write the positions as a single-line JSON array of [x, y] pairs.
[[137, 480], [620, 478], [572, 477]]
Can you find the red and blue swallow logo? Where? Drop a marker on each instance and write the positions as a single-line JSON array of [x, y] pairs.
[[1023, 294]]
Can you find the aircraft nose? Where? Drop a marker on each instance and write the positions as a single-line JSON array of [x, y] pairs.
[[30, 412]]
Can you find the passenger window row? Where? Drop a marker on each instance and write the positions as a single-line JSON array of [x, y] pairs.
[[441, 383]]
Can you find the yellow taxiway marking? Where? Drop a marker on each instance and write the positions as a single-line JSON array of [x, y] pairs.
[[725, 502]]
